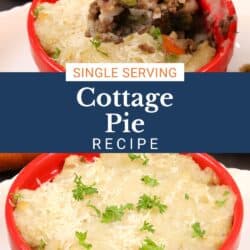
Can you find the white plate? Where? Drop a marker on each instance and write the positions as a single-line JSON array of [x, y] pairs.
[[15, 53], [242, 177]]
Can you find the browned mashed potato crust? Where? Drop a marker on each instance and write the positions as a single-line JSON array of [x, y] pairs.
[[184, 205]]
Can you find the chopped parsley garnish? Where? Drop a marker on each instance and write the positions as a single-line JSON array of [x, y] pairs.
[[141, 157], [16, 197], [42, 245], [187, 196], [129, 3], [82, 240], [115, 213], [97, 44], [155, 32], [37, 11], [197, 231], [56, 53], [128, 206], [171, 58], [220, 203], [81, 190], [148, 244], [147, 227], [98, 212], [152, 182], [150, 202]]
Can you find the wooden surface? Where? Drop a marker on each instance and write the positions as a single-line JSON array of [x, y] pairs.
[[12, 161]]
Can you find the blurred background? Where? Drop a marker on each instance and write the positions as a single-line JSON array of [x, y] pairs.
[[7, 4], [12, 163]]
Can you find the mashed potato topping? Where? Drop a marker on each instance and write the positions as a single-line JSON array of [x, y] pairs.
[[127, 202], [62, 26]]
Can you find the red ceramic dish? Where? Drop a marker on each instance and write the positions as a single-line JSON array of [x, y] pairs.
[[47, 166], [219, 63]]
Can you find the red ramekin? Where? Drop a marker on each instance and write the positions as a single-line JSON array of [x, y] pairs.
[[219, 63], [46, 166]]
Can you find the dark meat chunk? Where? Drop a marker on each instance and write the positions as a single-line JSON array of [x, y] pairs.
[[94, 11], [147, 48], [111, 20], [190, 45], [177, 22], [225, 24], [164, 23]]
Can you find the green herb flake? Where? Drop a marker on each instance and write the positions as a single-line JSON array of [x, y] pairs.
[[148, 244], [150, 202], [56, 53], [155, 32], [42, 245], [97, 44], [129, 3], [141, 157], [147, 227], [16, 197], [115, 213], [128, 206], [220, 203], [171, 58], [197, 231], [187, 197], [37, 11], [98, 212], [226, 193], [152, 182], [81, 190], [82, 240]]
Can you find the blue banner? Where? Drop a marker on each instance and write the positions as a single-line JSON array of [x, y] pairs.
[[206, 113]]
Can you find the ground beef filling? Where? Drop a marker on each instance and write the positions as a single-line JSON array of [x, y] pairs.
[[146, 48], [111, 20]]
